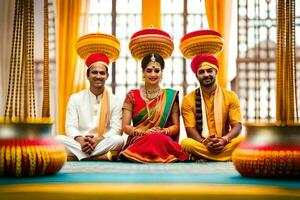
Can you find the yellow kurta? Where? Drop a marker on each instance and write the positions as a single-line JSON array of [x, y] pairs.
[[231, 115]]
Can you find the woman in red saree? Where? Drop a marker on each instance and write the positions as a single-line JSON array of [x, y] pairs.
[[154, 112]]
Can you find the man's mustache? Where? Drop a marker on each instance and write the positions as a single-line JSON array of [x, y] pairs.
[[209, 77]]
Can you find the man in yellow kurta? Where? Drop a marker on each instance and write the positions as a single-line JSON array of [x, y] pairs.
[[211, 114]]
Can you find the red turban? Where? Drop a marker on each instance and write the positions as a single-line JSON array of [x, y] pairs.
[[97, 58], [204, 60]]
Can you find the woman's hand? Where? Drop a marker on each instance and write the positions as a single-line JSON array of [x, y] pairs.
[[154, 129]]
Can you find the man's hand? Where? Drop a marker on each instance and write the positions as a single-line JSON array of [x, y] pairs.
[[93, 141], [86, 147], [215, 145]]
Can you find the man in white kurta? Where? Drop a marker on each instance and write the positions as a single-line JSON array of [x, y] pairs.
[[82, 117]]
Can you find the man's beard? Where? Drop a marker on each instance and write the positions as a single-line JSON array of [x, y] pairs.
[[211, 83]]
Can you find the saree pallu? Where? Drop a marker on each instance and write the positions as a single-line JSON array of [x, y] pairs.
[[153, 147]]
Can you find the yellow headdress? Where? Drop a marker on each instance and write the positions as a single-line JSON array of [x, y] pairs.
[[201, 42], [151, 40], [93, 43]]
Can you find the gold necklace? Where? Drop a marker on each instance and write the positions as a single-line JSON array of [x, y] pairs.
[[152, 93]]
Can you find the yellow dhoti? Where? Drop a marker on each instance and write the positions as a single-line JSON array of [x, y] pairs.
[[198, 149]]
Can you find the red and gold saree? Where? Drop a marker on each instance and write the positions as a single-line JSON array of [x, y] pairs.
[[153, 147]]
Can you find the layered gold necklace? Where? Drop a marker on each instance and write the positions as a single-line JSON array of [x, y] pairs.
[[151, 93]]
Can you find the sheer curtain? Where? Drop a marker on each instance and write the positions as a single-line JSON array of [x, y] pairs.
[[6, 26]]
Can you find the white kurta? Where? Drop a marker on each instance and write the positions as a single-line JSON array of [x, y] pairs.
[[82, 118]]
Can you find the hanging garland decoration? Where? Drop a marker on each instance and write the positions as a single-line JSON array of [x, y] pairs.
[[25, 146]]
